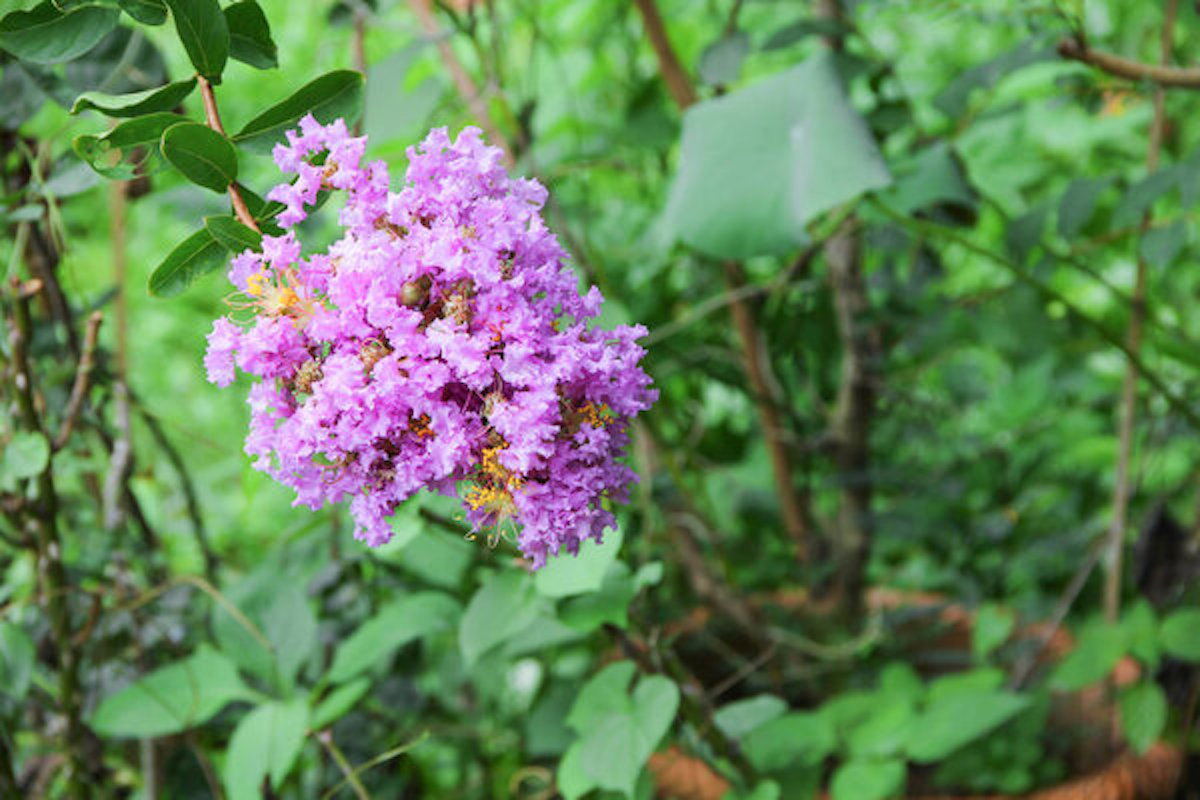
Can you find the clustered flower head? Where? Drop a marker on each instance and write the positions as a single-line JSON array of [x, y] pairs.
[[441, 343]]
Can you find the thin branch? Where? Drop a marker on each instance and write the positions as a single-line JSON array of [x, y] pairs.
[[213, 116], [1119, 67], [83, 375], [755, 356], [325, 737], [1125, 425]]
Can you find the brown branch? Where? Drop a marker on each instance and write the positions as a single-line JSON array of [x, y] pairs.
[[1120, 67], [755, 356], [83, 375], [462, 81], [1125, 426], [213, 116]]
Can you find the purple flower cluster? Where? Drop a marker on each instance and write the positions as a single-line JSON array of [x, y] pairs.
[[440, 344]]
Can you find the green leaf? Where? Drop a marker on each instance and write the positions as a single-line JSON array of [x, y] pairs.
[[721, 61], [955, 97], [171, 699], [801, 737], [959, 718], [250, 36], [1180, 634], [275, 603], [739, 718], [24, 456], [1142, 196], [195, 256], [1098, 650], [503, 606], [334, 94], [993, 625], [205, 35], [16, 660], [233, 235], [204, 156], [933, 177], [868, 780], [1141, 632], [136, 104], [610, 604], [1078, 204], [46, 35], [264, 744], [111, 153], [339, 702], [886, 731], [756, 165], [565, 575], [147, 12], [957, 683], [1161, 246], [1143, 714], [802, 29], [1024, 232], [396, 624], [619, 732]]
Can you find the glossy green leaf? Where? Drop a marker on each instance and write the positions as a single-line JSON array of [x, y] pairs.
[[46, 35], [959, 718], [868, 779], [756, 165], [147, 12], [265, 744], [204, 156], [171, 699], [1180, 634], [1143, 714], [233, 235], [250, 35], [112, 154], [395, 625], [335, 94], [195, 256], [135, 104], [205, 35]]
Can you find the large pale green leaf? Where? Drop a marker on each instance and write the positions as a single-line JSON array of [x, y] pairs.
[[47, 35], [339, 702], [958, 718], [868, 779], [800, 737], [565, 575], [173, 698], [334, 94], [396, 624], [264, 745], [276, 604], [204, 156], [1099, 648], [503, 607], [1180, 634], [757, 164], [205, 34], [739, 718], [1143, 714], [197, 255]]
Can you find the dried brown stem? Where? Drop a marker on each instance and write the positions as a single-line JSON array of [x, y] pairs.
[[83, 375], [1120, 67], [213, 116], [1125, 426]]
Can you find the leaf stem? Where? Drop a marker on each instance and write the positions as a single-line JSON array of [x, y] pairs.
[[212, 115]]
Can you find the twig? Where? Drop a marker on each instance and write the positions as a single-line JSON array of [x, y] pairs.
[[1119, 67], [83, 376], [1125, 425], [755, 356], [339, 758], [213, 116], [382, 758], [462, 81], [119, 463]]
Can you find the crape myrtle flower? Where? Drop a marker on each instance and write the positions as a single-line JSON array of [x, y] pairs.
[[441, 343]]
